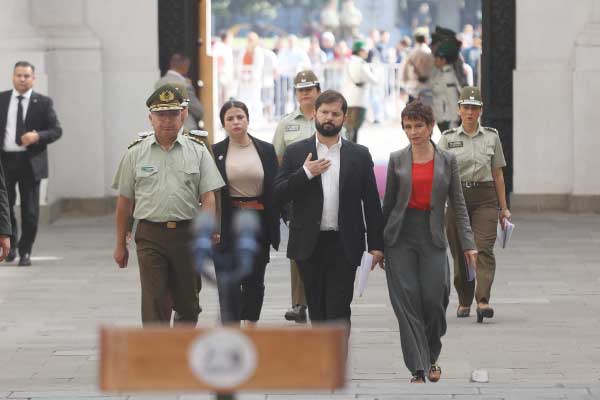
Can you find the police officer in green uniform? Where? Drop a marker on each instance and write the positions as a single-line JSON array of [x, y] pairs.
[[295, 126], [166, 176], [480, 161]]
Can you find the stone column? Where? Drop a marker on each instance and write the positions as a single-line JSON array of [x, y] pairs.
[[19, 40], [586, 119], [75, 84]]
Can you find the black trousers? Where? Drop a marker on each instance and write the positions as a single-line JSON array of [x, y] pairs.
[[18, 170], [242, 300], [328, 280]]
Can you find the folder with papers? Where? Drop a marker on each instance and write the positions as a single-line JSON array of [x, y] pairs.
[[503, 235], [363, 272]]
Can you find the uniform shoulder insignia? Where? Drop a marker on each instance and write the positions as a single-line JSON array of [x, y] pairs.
[[196, 137], [487, 128], [197, 132], [145, 134], [136, 142], [449, 131]]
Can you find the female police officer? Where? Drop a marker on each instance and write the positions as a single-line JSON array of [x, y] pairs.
[[480, 161]]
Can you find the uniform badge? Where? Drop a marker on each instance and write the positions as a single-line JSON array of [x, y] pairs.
[[149, 168], [453, 145], [292, 128], [166, 96]]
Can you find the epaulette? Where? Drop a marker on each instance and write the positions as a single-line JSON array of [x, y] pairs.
[[136, 142], [198, 132], [195, 137], [487, 128], [449, 131], [145, 134]]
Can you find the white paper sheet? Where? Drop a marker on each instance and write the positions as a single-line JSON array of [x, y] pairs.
[[503, 235], [363, 272]]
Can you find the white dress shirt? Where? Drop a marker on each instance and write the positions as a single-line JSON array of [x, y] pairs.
[[11, 120], [330, 180]]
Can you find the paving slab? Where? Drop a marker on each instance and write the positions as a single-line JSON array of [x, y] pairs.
[[542, 343]]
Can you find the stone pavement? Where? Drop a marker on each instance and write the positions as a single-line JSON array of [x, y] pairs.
[[542, 344]]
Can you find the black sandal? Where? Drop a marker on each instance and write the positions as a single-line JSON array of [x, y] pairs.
[[463, 311], [418, 378]]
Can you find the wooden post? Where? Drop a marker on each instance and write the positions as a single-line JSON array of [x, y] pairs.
[[222, 360], [205, 65]]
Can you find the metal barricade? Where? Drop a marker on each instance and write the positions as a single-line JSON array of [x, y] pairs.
[[271, 97]]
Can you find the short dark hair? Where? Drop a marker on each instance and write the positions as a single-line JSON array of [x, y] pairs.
[[24, 64], [177, 60], [416, 110], [331, 96], [232, 103]]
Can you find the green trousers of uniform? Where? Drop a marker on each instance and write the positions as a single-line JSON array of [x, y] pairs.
[[298, 295], [482, 206], [166, 271], [354, 120]]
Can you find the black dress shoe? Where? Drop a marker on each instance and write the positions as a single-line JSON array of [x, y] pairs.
[[25, 260], [485, 312], [12, 254], [297, 313]]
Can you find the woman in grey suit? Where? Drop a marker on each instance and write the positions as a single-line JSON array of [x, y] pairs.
[[420, 179]]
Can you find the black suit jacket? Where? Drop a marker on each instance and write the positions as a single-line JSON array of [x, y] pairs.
[[5, 226], [40, 117], [357, 189], [270, 217]]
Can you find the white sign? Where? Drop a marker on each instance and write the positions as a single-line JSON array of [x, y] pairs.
[[223, 358]]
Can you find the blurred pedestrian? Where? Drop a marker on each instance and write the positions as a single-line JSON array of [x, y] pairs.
[[419, 65], [179, 66], [251, 76], [225, 73], [445, 88], [357, 76]]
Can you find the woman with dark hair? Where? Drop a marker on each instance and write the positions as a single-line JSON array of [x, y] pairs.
[[248, 167], [420, 179]]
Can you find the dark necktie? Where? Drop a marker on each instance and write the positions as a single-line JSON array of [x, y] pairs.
[[20, 123]]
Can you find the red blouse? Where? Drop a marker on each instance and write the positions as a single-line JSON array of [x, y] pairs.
[[422, 181]]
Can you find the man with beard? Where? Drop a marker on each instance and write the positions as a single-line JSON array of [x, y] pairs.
[[332, 186]]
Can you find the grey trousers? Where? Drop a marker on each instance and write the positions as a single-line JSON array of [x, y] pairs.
[[418, 279]]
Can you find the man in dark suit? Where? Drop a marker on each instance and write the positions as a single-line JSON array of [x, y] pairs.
[[331, 183], [28, 124]]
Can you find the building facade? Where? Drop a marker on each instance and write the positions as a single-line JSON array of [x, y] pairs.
[[556, 92], [98, 61]]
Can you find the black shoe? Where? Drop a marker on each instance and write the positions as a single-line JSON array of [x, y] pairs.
[[296, 313], [12, 254], [463, 311], [486, 312], [25, 260]]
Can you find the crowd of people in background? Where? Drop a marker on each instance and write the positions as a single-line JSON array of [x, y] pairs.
[[260, 71]]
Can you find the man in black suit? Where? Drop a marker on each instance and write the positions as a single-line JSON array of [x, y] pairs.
[[332, 186], [28, 124]]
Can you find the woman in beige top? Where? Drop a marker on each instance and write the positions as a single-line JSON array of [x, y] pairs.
[[248, 167]]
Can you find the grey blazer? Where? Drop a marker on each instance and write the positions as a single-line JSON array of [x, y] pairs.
[[446, 184]]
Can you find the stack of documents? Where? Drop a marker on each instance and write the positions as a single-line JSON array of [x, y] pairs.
[[503, 235], [363, 272]]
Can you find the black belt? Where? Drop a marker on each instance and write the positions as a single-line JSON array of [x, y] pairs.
[[169, 224], [472, 184]]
